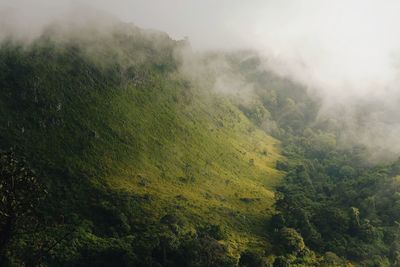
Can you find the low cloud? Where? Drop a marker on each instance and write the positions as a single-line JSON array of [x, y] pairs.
[[345, 52]]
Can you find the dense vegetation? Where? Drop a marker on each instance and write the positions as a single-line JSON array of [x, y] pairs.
[[111, 155], [339, 204], [332, 202], [140, 164]]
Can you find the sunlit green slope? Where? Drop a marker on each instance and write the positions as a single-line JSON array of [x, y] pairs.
[[113, 111]]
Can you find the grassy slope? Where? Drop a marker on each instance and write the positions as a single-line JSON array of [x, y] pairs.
[[178, 147], [198, 164]]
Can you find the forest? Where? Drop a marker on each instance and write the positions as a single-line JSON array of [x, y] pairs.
[[118, 150]]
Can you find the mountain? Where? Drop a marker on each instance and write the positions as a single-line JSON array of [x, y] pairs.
[[110, 115], [123, 147]]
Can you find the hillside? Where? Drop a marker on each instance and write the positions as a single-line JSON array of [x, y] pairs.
[[110, 117], [123, 147]]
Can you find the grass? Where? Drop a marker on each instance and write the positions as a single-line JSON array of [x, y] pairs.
[[182, 149], [202, 160]]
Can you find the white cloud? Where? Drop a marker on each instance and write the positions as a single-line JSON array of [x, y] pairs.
[[345, 50]]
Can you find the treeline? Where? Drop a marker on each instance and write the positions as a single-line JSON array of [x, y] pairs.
[[335, 208], [332, 207], [116, 231]]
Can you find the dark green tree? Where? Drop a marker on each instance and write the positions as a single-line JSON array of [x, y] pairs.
[[290, 240], [21, 193]]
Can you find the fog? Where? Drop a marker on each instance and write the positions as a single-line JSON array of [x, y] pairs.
[[346, 52]]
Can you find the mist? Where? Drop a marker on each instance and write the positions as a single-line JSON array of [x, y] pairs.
[[344, 52]]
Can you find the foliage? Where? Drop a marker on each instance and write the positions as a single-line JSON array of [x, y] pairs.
[[145, 167], [290, 240], [21, 193], [121, 139]]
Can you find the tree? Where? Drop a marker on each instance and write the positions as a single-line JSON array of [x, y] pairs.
[[250, 259], [281, 261], [290, 240], [21, 192], [207, 252], [331, 259]]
